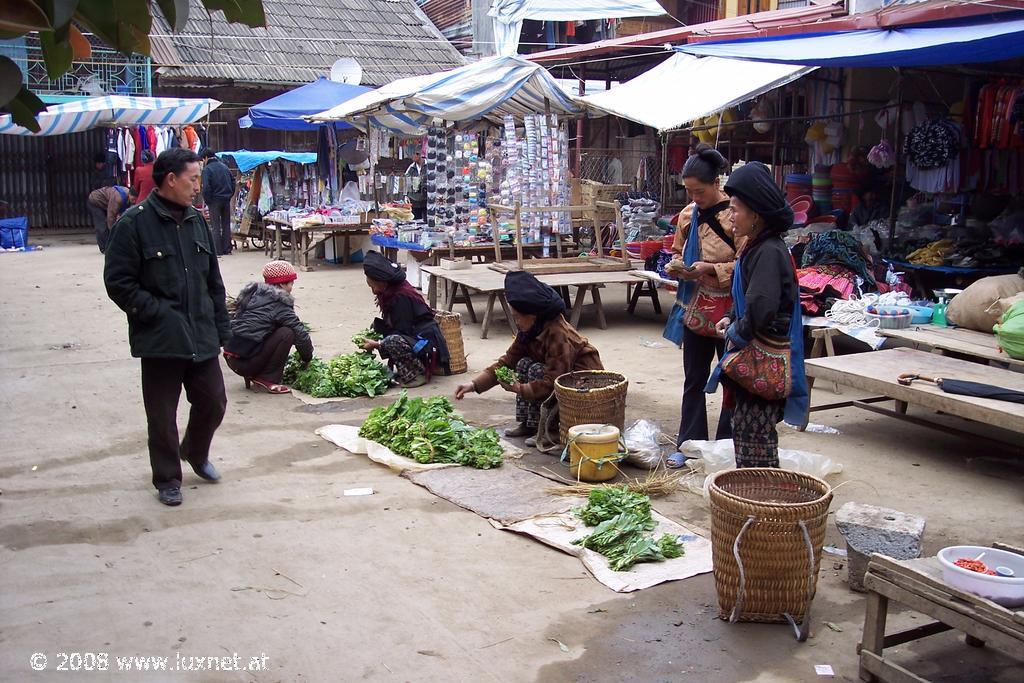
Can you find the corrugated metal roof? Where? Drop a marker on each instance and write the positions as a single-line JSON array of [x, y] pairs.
[[390, 39]]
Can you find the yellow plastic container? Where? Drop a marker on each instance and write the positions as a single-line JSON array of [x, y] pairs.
[[594, 452]]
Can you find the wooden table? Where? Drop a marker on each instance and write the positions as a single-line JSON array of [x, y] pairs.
[[918, 585], [943, 340], [479, 278], [876, 372], [305, 239], [477, 253]]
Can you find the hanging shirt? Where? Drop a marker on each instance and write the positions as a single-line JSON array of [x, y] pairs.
[[137, 145], [129, 150], [151, 137]]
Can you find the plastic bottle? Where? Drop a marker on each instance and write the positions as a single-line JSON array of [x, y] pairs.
[[939, 314]]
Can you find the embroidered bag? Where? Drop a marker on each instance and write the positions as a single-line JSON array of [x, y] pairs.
[[762, 367]]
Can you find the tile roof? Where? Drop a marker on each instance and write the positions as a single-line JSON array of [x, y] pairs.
[[390, 39]]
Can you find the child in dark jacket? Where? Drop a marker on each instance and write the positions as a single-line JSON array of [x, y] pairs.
[[264, 329]]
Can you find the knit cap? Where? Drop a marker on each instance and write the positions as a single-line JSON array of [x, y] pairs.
[[278, 272]]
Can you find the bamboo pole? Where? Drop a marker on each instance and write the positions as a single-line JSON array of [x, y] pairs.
[[497, 234], [622, 232], [896, 158], [519, 236]]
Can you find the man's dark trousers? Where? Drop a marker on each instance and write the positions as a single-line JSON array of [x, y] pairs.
[[162, 380]]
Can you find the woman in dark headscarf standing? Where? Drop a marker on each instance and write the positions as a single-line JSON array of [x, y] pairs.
[[765, 315], [545, 348], [412, 341]]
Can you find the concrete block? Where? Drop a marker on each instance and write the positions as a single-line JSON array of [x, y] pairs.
[[870, 529]]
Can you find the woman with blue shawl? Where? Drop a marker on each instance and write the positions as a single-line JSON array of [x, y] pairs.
[[705, 256], [766, 310]]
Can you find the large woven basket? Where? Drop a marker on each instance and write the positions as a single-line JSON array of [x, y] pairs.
[[773, 521], [590, 397], [451, 327]]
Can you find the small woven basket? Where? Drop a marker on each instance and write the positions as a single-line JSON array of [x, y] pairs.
[[767, 529], [590, 397], [451, 327]]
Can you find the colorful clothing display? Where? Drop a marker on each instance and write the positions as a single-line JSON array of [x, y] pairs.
[[838, 248]]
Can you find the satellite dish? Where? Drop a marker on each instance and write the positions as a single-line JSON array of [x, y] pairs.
[[347, 70]]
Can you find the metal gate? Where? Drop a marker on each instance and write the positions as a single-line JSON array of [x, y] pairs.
[[47, 178]]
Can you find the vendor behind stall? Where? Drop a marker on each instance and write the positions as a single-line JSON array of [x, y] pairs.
[[870, 208], [546, 347], [412, 341]]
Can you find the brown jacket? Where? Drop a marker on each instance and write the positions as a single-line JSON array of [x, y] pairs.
[[712, 249], [558, 346], [109, 199]]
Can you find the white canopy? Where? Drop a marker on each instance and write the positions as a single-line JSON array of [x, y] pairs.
[[487, 89], [508, 15], [112, 111], [685, 88]]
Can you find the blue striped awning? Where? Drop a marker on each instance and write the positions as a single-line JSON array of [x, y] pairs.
[[114, 111]]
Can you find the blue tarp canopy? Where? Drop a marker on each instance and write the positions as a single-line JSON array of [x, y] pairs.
[[247, 160], [989, 40], [285, 111]]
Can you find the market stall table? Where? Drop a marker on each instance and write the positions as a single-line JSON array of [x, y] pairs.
[[918, 585], [877, 372], [478, 253], [927, 278], [958, 340], [305, 239], [480, 278]]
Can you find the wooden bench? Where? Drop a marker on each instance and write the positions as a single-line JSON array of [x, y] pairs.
[[957, 340]]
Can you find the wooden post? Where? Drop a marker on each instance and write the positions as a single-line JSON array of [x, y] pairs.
[[622, 231], [497, 234], [519, 234], [597, 233], [896, 158]]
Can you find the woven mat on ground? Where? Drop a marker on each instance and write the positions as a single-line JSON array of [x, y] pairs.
[[314, 401], [347, 437]]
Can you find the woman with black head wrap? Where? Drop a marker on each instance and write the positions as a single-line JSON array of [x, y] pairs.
[[766, 306], [705, 255], [546, 347], [412, 341]]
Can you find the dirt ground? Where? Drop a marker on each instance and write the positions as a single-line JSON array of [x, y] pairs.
[[400, 585]]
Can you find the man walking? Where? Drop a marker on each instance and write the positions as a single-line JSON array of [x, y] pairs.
[[162, 272], [105, 206], [418, 195], [218, 189]]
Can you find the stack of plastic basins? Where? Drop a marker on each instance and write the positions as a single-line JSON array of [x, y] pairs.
[[797, 185], [821, 190], [844, 188]]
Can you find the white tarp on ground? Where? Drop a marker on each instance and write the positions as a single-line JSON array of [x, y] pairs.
[[487, 89], [113, 111], [683, 88], [508, 15]]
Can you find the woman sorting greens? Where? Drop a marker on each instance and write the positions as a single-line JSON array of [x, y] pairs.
[[411, 340], [545, 348], [763, 369], [705, 255]]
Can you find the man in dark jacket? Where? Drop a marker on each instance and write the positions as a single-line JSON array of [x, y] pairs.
[[162, 272], [218, 189]]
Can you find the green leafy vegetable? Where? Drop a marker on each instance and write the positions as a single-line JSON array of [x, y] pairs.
[[428, 430], [623, 524], [360, 337], [352, 374], [506, 375]]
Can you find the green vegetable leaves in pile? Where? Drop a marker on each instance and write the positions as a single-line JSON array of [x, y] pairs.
[[428, 430], [623, 524], [351, 375], [506, 375], [360, 338]]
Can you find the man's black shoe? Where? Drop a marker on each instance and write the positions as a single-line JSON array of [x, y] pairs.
[[207, 471], [171, 496]]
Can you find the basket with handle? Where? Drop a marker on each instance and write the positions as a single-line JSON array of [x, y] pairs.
[[590, 397], [451, 327], [767, 529]]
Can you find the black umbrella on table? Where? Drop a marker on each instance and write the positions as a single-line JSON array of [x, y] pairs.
[[966, 388]]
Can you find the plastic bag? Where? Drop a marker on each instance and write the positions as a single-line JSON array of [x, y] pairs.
[[711, 457], [1010, 331], [642, 444]]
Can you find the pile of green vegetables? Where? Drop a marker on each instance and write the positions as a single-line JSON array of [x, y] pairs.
[[506, 375], [350, 375], [623, 524], [428, 430]]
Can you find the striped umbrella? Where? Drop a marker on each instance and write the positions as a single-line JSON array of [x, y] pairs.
[[113, 111]]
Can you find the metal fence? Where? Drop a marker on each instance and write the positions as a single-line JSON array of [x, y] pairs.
[[596, 164], [105, 72]]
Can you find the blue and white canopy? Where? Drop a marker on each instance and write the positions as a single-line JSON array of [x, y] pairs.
[[113, 111], [487, 89], [508, 15], [962, 42], [247, 160]]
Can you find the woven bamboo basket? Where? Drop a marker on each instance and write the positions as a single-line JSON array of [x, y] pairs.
[[451, 327], [774, 521], [590, 397]]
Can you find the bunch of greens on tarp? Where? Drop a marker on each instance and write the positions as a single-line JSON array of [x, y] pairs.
[[428, 431], [623, 524], [349, 375]]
